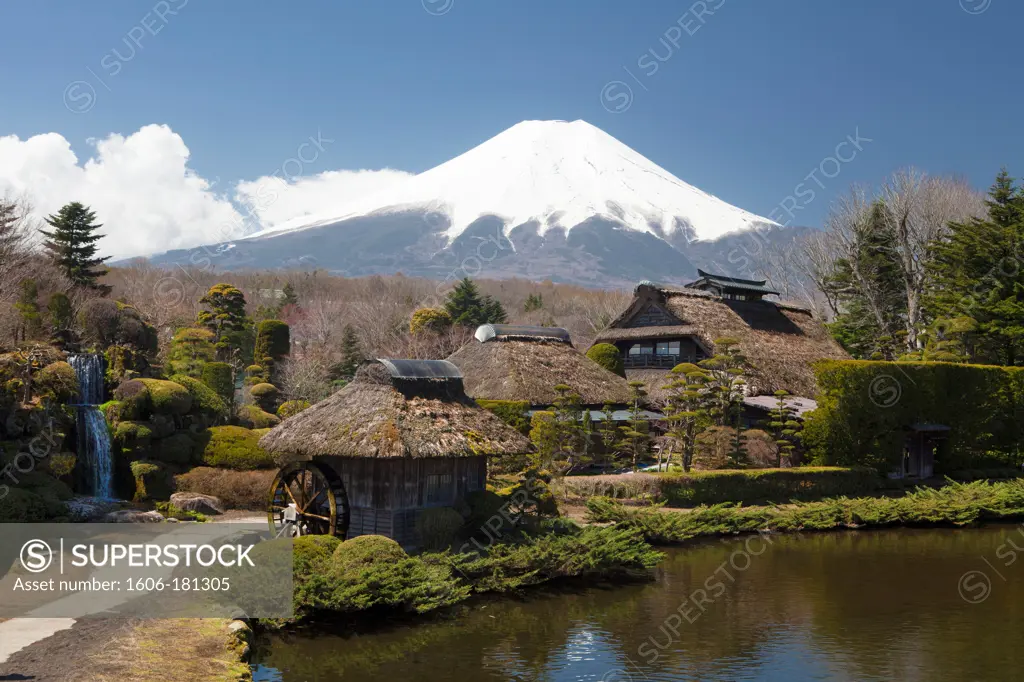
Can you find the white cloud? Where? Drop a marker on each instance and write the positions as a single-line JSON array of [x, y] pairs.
[[149, 200], [276, 204]]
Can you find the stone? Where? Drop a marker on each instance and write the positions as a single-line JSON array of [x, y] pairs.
[[197, 502], [133, 516]]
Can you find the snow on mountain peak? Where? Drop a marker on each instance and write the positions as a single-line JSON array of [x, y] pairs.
[[559, 174]]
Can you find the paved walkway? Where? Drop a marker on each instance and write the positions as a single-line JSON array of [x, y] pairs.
[[18, 633]]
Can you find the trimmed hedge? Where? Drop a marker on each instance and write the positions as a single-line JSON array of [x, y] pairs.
[[866, 407], [220, 377], [252, 416], [168, 397], [272, 340], [749, 486], [237, 448], [290, 408], [512, 412]]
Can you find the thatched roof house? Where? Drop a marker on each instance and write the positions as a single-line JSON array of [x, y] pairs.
[[508, 362], [665, 326], [401, 438], [395, 408]]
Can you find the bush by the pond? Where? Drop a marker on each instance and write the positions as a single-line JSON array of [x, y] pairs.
[[236, 489], [956, 504], [236, 447], [729, 485], [866, 407], [369, 572]]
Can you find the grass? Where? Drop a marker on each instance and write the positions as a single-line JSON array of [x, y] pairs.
[[956, 504], [193, 649]]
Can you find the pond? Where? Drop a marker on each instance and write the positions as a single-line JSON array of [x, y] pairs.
[[929, 605]]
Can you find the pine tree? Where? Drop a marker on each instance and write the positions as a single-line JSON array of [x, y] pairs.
[[784, 427], [289, 296], [467, 307], [725, 391], [608, 431], [636, 436], [72, 244], [533, 302], [28, 308], [351, 355], [62, 319], [225, 317], [686, 409], [977, 290], [570, 434]]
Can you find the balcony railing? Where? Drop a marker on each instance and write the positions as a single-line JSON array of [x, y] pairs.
[[652, 360]]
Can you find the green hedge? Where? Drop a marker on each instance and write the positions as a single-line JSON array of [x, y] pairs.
[[204, 399], [512, 412], [866, 406], [220, 377], [608, 356], [750, 486]]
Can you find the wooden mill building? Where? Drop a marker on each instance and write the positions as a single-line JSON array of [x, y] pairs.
[[402, 437], [664, 326]]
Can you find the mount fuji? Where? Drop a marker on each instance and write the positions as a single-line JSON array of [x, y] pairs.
[[543, 200]]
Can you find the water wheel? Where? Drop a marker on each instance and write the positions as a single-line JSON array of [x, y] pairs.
[[308, 498]]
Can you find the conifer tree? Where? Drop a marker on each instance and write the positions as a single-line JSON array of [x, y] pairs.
[[977, 291], [686, 411], [225, 317], [784, 427], [636, 436], [62, 318], [72, 244], [28, 308], [608, 431], [570, 430], [351, 355], [468, 307]]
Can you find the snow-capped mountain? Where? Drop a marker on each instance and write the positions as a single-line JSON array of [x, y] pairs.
[[543, 199]]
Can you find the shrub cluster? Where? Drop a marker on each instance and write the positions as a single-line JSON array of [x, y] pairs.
[[237, 448], [957, 504], [729, 485], [512, 412], [866, 407], [236, 489]]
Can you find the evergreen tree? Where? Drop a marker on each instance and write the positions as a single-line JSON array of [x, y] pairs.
[[686, 410], [62, 319], [870, 294], [28, 309], [289, 297], [725, 392], [225, 317], [533, 302], [608, 432], [468, 307], [977, 290], [351, 355], [191, 348], [636, 436], [785, 429], [570, 431], [72, 244]]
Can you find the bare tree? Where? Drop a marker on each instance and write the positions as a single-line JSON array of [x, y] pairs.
[[15, 245], [918, 210]]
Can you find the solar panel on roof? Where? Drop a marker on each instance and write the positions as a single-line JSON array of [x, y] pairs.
[[486, 332], [420, 369]]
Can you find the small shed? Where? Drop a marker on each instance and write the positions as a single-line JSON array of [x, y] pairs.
[[402, 437], [923, 443]]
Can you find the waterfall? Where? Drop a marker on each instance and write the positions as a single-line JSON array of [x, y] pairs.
[[93, 438]]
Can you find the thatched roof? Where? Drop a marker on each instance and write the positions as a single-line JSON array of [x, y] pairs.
[[395, 408], [518, 367], [780, 341]]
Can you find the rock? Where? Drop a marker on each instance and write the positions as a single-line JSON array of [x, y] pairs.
[[90, 508], [197, 502], [133, 516]]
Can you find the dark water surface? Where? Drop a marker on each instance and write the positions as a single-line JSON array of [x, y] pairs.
[[928, 605]]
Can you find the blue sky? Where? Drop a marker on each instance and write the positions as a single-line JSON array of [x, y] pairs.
[[744, 108]]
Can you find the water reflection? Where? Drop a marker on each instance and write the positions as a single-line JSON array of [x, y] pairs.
[[847, 606]]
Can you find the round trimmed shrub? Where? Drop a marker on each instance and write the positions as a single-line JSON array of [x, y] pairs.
[[255, 418], [237, 448], [430, 319], [204, 399], [438, 527], [608, 356], [133, 437], [360, 552], [266, 396], [134, 400], [167, 397], [290, 408], [59, 380]]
